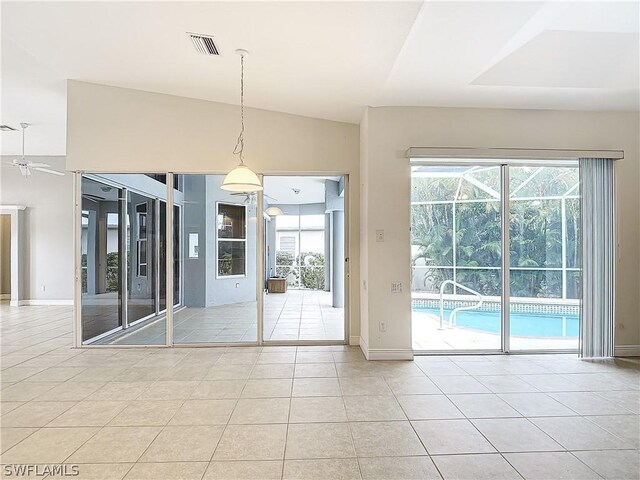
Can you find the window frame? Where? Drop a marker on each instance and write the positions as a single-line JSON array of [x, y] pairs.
[[239, 240], [141, 239]]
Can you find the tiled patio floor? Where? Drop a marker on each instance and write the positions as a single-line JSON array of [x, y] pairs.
[[427, 336], [294, 315]]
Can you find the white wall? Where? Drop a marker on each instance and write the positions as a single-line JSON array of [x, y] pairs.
[[386, 133], [122, 130], [48, 227]]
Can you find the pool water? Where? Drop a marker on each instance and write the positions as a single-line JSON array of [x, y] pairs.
[[522, 324]]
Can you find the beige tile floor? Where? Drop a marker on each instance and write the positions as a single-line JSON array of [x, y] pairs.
[[308, 412]]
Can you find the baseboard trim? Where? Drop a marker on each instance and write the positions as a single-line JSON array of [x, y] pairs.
[[627, 351], [354, 340], [385, 353], [390, 354], [40, 303], [5, 296]]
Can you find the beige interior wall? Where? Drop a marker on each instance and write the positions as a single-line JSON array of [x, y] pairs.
[[389, 131], [5, 254], [113, 129], [48, 221]]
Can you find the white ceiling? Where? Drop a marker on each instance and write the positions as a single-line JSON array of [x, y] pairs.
[[280, 189], [320, 59]]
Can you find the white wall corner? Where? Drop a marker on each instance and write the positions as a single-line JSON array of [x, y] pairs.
[[364, 347], [627, 351], [354, 340]]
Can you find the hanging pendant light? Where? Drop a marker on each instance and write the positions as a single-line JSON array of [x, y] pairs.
[[273, 211], [241, 178]]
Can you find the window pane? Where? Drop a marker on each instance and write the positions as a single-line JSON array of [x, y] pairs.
[[311, 221], [536, 233], [542, 181], [478, 234], [573, 284], [231, 258], [544, 312], [484, 281], [536, 283], [231, 221], [432, 234], [428, 280], [572, 225], [432, 189], [287, 222]]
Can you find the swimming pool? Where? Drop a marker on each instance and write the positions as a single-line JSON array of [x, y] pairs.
[[522, 324]]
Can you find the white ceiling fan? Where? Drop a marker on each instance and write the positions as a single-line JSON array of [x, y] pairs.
[[27, 166], [251, 198]]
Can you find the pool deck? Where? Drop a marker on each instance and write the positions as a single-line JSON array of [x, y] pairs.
[[428, 337]]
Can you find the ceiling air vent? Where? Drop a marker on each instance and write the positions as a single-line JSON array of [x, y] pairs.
[[204, 44]]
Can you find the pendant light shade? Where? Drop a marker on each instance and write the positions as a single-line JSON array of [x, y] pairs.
[[241, 179], [273, 211]]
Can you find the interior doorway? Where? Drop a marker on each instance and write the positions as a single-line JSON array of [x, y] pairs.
[[5, 256]]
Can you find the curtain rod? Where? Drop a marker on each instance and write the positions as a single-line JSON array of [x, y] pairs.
[[510, 153]]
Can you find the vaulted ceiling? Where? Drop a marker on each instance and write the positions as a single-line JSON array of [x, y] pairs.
[[320, 59]]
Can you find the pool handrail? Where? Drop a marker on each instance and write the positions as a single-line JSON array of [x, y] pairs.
[[454, 312]]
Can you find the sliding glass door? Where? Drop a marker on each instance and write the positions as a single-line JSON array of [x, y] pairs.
[[470, 224], [242, 268], [123, 259], [305, 255], [218, 233], [101, 259], [544, 233], [456, 243]]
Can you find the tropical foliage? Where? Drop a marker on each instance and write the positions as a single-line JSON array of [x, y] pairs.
[[465, 234], [307, 267], [111, 272]]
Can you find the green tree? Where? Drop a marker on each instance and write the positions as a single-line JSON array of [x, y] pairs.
[[312, 270]]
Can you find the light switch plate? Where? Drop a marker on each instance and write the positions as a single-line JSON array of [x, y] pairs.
[[379, 235], [396, 287]]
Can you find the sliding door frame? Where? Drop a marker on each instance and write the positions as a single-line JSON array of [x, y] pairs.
[[123, 294], [169, 270], [505, 263]]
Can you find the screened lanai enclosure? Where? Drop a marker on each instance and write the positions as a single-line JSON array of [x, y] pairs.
[[495, 256]]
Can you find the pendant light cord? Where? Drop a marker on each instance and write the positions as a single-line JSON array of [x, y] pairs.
[[239, 148]]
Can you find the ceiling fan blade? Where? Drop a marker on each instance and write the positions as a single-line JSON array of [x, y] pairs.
[[270, 197], [39, 165], [46, 170]]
